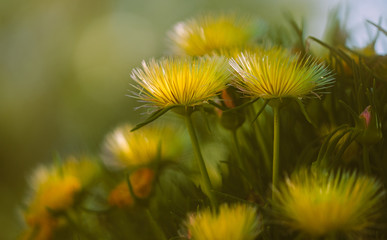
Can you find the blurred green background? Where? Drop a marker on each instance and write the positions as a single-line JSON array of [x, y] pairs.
[[65, 65]]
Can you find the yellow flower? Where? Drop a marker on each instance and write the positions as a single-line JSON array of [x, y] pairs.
[[235, 52], [141, 181], [54, 190], [321, 203], [233, 222], [126, 149], [276, 73], [201, 36], [181, 81]]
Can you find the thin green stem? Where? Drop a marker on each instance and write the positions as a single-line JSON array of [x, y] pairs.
[[241, 163], [366, 159], [260, 140], [276, 139], [202, 166], [158, 232]]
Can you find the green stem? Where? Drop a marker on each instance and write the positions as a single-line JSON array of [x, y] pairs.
[[276, 139], [241, 163], [158, 232], [366, 160], [202, 166], [261, 141]]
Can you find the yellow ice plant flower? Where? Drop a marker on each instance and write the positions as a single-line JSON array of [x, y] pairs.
[[232, 222], [54, 190], [126, 149], [236, 51], [141, 181], [275, 73], [181, 81], [85, 169], [184, 83], [321, 203], [201, 36]]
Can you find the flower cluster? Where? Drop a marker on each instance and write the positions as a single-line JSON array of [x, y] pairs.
[[226, 180]]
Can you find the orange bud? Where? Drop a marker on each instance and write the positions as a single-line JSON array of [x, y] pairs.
[[141, 181]]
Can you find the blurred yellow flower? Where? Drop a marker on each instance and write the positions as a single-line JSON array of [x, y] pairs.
[[275, 73], [181, 81], [54, 190], [236, 51], [126, 149], [141, 181], [201, 36], [232, 222], [321, 203]]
